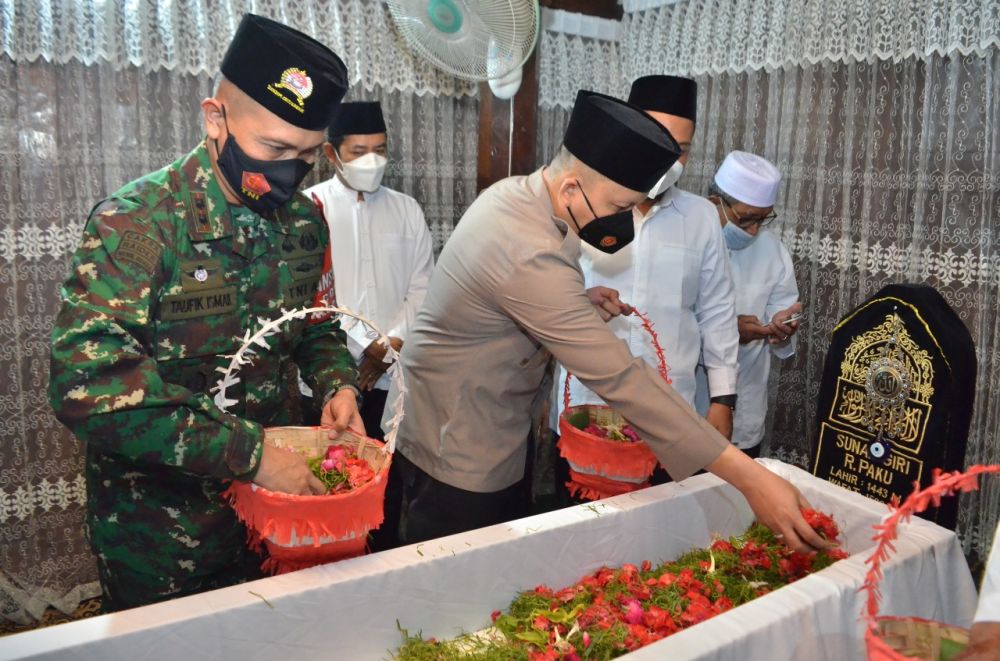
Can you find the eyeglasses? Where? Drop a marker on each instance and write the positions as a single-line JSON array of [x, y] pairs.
[[747, 223]]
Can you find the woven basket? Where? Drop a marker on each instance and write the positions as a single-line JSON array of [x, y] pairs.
[[303, 531], [600, 467], [913, 638], [916, 638]]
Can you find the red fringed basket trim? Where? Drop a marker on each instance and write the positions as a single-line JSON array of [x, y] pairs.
[[284, 516], [595, 487], [944, 484], [603, 456]]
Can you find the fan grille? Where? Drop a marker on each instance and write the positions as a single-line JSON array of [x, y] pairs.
[[471, 39]]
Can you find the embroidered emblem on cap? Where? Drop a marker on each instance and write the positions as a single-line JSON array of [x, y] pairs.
[[255, 185], [297, 82], [609, 241]]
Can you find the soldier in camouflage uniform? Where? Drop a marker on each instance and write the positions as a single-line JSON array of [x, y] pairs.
[[172, 269]]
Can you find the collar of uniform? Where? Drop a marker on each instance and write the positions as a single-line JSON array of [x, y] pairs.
[[210, 216], [570, 245], [208, 212], [571, 240]]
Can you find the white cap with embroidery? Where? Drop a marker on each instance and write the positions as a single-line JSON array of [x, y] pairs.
[[749, 178]]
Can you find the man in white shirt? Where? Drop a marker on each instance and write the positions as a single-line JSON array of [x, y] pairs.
[[984, 636], [380, 246], [767, 298], [675, 271]]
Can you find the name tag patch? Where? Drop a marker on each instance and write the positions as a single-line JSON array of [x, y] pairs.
[[189, 305], [301, 291]]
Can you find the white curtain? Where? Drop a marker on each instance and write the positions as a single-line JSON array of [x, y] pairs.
[[889, 142], [694, 37], [94, 93], [191, 36]]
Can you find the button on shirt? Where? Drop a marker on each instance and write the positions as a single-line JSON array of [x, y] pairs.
[[506, 294], [676, 272], [382, 259], [764, 284]]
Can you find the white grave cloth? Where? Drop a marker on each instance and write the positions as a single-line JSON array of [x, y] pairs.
[[349, 609]]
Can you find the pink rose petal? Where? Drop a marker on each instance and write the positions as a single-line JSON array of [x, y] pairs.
[[633, 614]]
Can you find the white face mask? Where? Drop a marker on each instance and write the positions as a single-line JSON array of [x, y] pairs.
[[364, 173], [669, 179]]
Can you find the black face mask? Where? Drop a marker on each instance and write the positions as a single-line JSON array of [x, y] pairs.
[[262, 186], [606, 233]]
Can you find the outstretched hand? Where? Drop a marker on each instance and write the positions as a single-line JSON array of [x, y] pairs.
[[776, 502]]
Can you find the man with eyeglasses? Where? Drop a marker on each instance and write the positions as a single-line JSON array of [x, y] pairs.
[[767, 299]]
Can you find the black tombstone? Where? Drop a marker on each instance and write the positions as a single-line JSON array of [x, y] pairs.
[[896, 398]]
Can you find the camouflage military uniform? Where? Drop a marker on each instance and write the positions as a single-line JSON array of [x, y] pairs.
[[166, 277]]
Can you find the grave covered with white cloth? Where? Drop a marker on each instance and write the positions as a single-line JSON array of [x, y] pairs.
[[350, 609]]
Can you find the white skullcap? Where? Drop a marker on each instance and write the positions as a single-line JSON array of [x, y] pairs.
[[749, 178]]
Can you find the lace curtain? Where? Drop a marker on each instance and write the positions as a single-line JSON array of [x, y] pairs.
[[891, 174], [191, 36], [72, 132], [725, 36]]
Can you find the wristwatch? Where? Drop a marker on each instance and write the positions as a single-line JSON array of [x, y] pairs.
[[727, 400]]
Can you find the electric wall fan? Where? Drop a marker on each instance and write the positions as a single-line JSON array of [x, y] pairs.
[[472, 39]]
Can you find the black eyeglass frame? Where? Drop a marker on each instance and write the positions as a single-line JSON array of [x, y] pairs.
[[747, 223]]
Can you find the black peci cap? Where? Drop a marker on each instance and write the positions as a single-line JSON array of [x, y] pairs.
[[291, 74], [357, 118], [673, 95], [619, 141]]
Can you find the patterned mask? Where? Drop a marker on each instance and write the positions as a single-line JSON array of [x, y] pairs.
[[262, 186]]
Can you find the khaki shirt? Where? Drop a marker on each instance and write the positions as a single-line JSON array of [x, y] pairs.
[[507, 291]]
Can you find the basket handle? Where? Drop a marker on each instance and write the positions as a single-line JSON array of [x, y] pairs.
[[661, 359], [943, 484], [251, 341]]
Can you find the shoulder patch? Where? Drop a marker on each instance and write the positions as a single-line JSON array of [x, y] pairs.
[[139, 250]]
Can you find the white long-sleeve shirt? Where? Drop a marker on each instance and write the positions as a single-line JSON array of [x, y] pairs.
[[677, 273], [764, 282], [382, 259], [989, 593]]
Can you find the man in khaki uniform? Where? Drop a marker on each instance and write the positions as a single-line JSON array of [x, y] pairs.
[[507, 294]]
